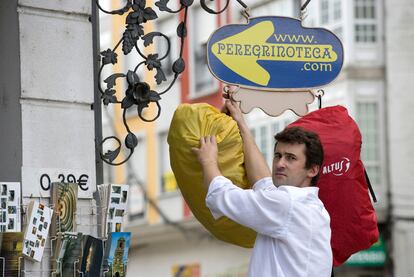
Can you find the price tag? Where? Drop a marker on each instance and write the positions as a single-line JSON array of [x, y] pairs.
[[36, 182]]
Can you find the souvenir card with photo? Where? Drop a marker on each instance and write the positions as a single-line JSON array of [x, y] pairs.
[[116, 253], [64, 199], [68, 253], [92, 256], [37, 230], [11, 246], [10, 197], [102, 204], [117, 207]]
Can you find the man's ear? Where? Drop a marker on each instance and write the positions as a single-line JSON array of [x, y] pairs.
[[313, 170]]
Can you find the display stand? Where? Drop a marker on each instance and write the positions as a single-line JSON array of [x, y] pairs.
[[86, 216]]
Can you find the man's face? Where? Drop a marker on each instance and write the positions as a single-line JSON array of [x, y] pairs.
[[289, 166]]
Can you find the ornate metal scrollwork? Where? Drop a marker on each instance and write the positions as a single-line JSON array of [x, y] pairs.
[[139, 94]]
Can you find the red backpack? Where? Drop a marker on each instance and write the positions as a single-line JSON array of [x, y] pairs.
[[343, 183]]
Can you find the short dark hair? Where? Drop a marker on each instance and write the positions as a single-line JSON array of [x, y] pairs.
[[313, 151]]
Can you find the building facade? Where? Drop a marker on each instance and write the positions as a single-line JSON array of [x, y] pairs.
[[373, 86]]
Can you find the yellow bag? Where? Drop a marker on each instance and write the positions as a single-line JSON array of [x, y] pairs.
[[189, 124]]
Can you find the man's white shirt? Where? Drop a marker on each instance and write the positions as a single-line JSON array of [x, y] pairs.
[[292, 225]]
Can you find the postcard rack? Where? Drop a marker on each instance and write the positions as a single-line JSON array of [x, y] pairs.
[[63, 235], [86, 216]]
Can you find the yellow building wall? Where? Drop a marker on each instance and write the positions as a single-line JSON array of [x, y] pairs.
[[136, 125]]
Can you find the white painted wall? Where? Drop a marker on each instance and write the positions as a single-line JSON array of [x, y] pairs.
[[400, 100], [399, 28], [57, 88], [403, 252]]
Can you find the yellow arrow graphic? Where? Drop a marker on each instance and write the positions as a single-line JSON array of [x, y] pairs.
[[241, 52]]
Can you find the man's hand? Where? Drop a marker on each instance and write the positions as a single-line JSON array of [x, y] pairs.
[[233, 108], [207, 156], [207, 153]]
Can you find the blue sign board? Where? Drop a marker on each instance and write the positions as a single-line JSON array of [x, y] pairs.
[[274, 53]]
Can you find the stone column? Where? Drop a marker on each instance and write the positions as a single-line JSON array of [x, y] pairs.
[[46, 97]]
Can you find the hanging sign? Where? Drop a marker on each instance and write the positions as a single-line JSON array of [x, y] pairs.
[[274, 53]]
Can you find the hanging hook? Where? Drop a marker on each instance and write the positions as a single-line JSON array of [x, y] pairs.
[[319, 93], [245, 13], [303, 14], [228, 91], [303, 10]]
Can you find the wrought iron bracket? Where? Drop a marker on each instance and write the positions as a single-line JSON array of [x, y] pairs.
[[138, 93]]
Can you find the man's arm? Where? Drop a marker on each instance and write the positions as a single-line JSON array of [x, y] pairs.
[[265, 211], [255, 164], [207, 156]]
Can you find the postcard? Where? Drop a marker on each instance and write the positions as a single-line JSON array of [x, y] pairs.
[[64, 200], [116, 254], [37, 230], [10, 197]]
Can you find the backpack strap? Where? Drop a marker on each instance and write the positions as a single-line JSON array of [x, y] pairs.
[[371, 190]]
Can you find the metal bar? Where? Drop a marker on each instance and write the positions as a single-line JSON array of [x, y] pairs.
[[243, 4], [305, 5], [97, 96]]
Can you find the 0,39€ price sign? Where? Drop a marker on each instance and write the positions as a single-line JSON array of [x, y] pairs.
[[37, 182]]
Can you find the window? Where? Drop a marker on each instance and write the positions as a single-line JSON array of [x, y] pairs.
[[262, 8], [253, 131], [331, 15], [264, 135], [275, 128], [203, 78], [167, 62], [324, 11], [365, 21], [164, 25], [365, 33], [136, 169], [136, 202], [337, 10], [367, 118], [264, 141], [364, 9], [289, 120], [203, 24], [166, 176], [338, 31]]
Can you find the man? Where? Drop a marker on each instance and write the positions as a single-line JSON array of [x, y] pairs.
[[292, 225]]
